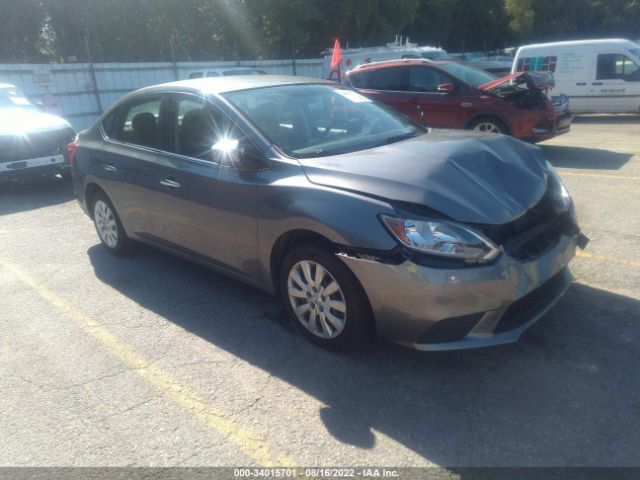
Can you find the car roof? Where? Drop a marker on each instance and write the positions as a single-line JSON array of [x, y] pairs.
[[7, 85], [600, 41], [219, 85], [401, 61], [227, 69], [395, 61]]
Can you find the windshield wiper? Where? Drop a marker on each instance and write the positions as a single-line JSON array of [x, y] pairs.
[[396, 138]]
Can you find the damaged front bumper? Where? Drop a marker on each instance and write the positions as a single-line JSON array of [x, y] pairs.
[[430, 308]]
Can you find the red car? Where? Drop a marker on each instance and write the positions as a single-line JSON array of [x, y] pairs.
[[449, 94]]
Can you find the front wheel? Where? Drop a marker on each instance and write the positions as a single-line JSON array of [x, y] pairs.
[[108, 226], [324, 298], [488, 125]]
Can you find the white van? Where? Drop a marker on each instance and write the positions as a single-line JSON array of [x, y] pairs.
[[598, 76]]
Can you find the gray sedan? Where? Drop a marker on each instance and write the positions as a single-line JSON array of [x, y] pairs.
[[364, 223]]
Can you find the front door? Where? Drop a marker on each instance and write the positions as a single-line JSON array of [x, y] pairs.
[[429, 107], [616, 88], [208, 202]]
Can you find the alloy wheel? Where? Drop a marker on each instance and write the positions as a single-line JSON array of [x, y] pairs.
[[106, 224], [317, 299], [487, 127]]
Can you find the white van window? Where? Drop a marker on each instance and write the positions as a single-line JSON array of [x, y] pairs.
[[537, 64], [614, 66]]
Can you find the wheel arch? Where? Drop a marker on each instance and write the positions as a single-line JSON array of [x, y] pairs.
[[286, 241], [90, 192]]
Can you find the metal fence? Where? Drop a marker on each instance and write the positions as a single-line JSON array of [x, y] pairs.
[[80, 92]]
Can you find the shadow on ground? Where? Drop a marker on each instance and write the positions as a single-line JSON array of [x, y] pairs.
[[587, 158], [34, 193], [567, 394]]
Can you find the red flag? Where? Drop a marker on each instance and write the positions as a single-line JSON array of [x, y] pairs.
[[336, 57]]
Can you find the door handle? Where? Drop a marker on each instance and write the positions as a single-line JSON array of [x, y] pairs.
[[596, 83], [169, 182], [109, 168], [580, 84]]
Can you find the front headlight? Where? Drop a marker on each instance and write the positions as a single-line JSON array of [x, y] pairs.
[[559, 193], [445, 239]]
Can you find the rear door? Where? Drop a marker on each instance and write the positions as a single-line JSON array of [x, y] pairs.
[[387, 85], [208, 205], [616, 88], [125, 163]]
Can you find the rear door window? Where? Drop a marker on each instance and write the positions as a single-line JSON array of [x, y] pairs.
[[426, 79], [136, 123], [616, 66]]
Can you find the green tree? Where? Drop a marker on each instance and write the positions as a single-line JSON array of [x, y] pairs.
[[21, 32]]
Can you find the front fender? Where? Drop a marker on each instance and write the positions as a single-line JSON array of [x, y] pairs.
[[291, 203]]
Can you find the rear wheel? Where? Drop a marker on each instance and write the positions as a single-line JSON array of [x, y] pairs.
[[108, 225], [488, 125], [323, 297]]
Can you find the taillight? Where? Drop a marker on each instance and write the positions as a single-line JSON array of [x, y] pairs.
[[71, 150]]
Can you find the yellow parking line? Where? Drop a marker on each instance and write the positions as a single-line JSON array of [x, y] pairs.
[[249, 443], [606, 258], [597, 175]]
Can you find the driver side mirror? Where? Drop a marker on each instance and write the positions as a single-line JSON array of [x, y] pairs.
[[229, 152], [447, 88]]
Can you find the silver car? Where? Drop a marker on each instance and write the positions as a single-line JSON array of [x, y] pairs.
[[364, 223]]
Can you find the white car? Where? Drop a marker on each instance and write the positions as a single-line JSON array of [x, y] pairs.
[[32, 142], [225, 72]]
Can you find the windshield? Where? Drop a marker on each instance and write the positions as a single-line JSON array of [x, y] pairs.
[[635, 52], [320, 120], [11, 97], [471, 75]]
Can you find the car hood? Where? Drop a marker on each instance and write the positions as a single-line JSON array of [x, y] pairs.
[[22, 121], [469, 177], [538, 80]]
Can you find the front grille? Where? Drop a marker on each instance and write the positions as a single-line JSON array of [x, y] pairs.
[[533, 233], [521, 311], [34, 145]]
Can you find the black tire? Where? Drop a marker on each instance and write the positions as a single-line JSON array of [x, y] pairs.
[[495, 122], [357, 319], [122, 243]]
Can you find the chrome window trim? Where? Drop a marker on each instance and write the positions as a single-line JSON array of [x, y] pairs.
[[143, 148]]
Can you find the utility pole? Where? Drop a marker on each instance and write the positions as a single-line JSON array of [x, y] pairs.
[[92, 70]]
